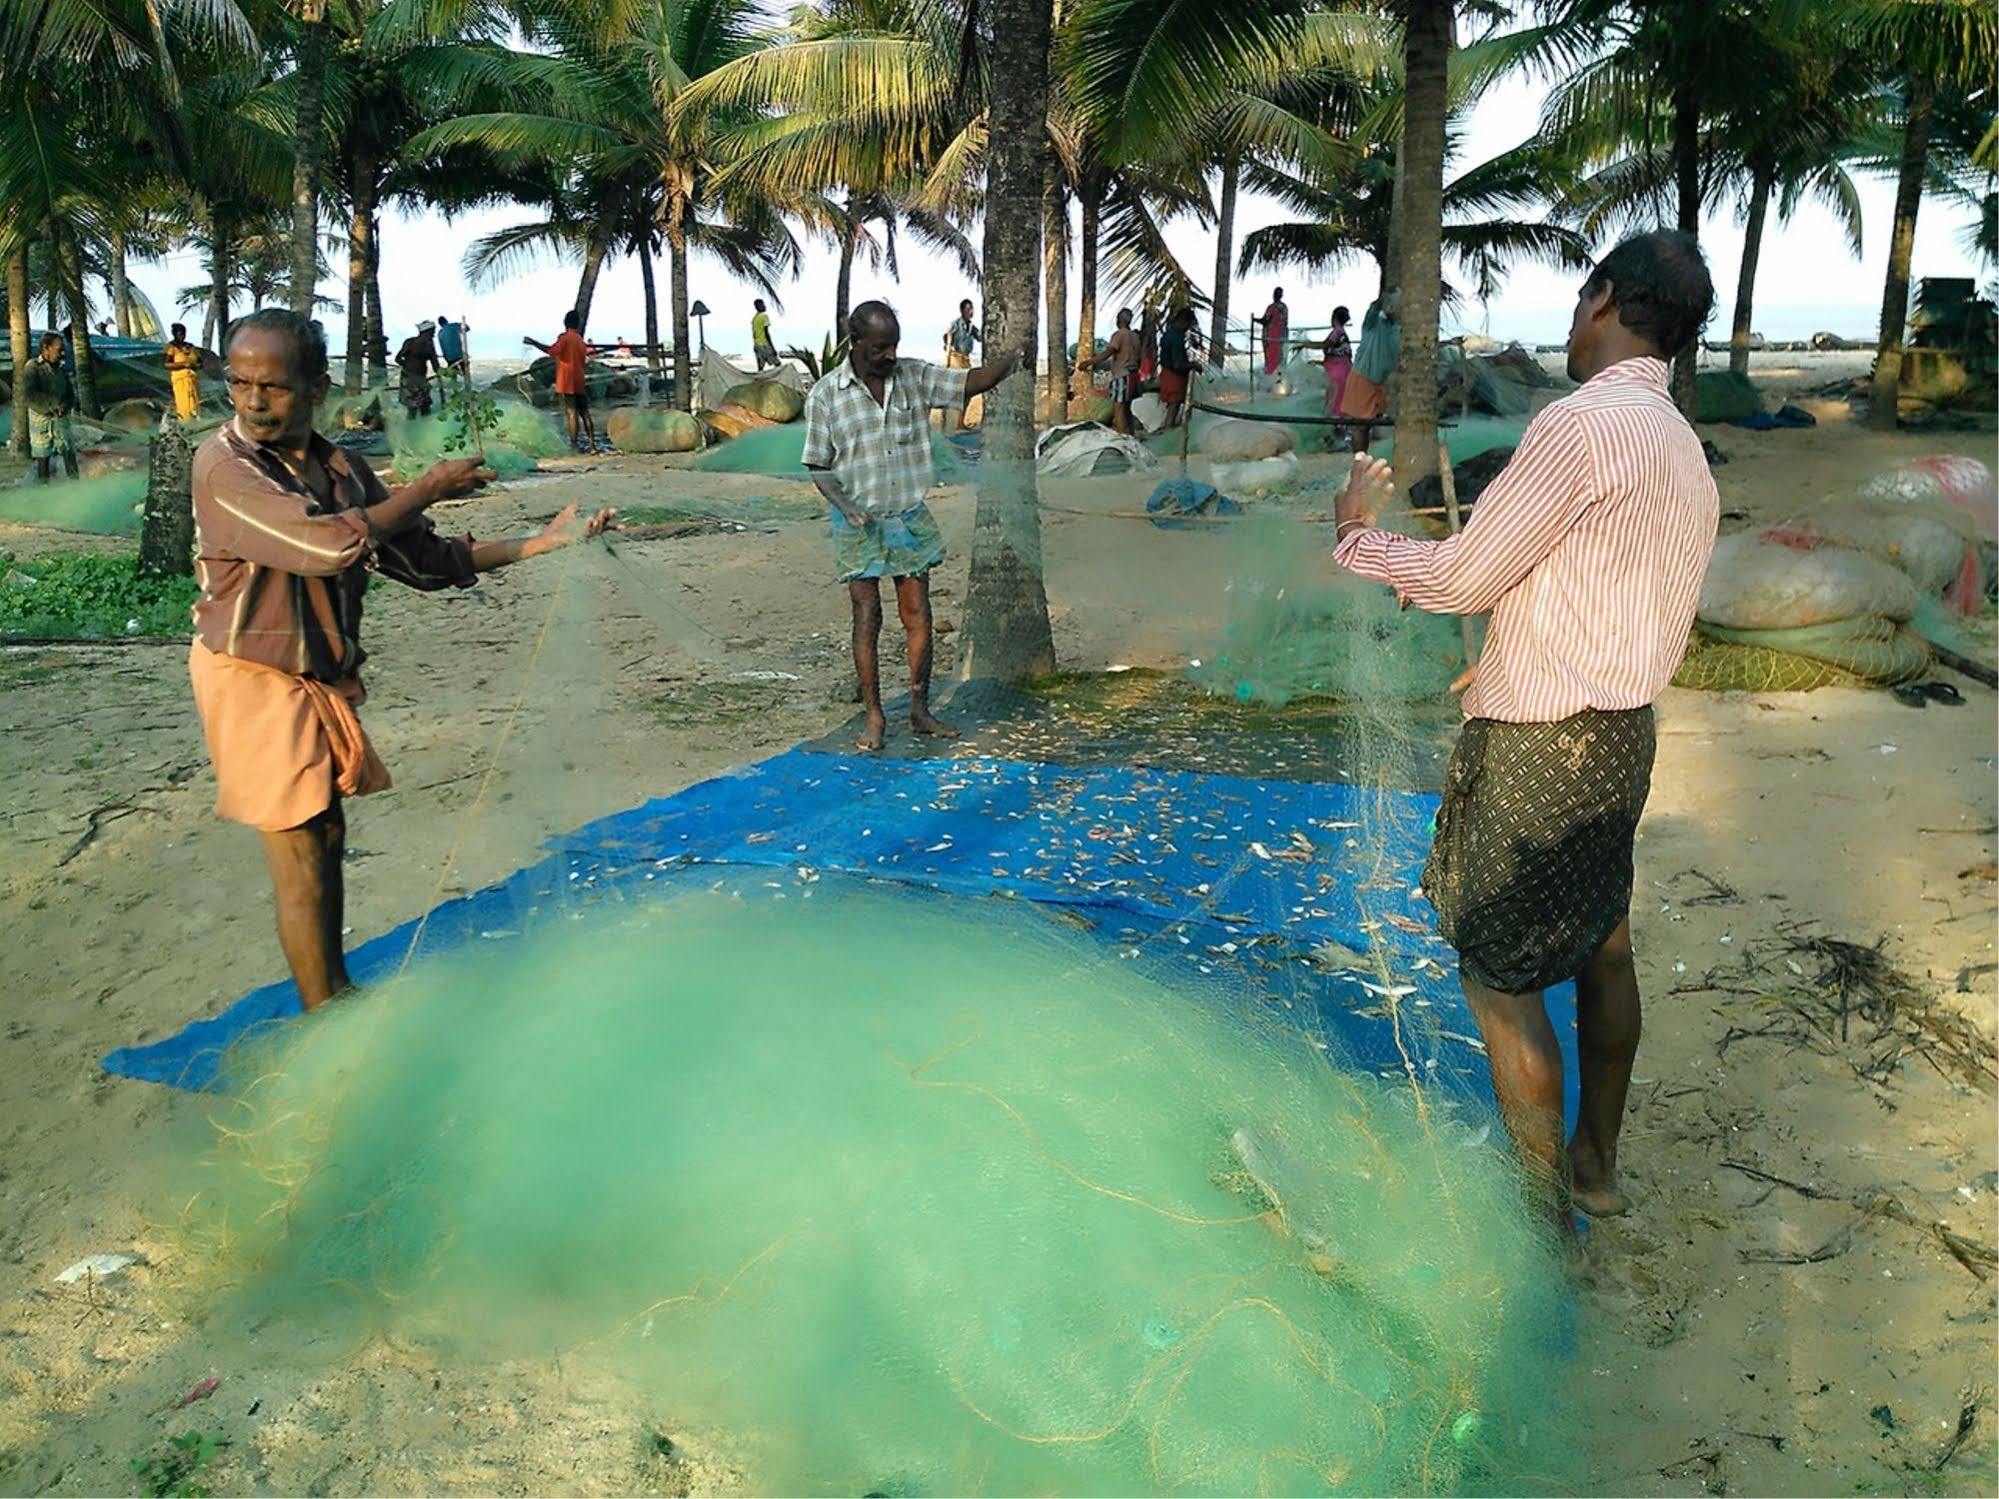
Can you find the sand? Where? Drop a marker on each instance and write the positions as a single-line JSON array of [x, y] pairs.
[[130, 909]]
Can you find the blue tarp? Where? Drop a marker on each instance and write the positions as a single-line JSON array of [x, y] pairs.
[[1232, 876]]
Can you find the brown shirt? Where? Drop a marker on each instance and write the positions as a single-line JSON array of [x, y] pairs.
[[283, 554]]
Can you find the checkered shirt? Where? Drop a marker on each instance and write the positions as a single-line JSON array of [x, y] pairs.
[[879, 453]]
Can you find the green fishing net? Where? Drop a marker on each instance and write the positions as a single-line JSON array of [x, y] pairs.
[[513, 441], [1868, 651], [1299, 627], [778, 452], [108, 505], [890, 1193]]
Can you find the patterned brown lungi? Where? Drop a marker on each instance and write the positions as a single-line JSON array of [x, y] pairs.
[[1531, 869]]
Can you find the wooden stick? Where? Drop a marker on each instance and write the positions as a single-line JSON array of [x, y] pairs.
[[1456, 522], [1978, 671]]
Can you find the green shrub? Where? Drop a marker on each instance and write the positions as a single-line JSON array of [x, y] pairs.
[[91, 598]]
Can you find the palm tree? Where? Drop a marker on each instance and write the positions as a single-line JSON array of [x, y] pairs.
[[607, 94], [308, 145], [1007, 632], [1927, 48]]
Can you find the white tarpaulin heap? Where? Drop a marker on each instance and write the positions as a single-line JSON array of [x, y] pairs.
[[1080, 449], [719, 377]]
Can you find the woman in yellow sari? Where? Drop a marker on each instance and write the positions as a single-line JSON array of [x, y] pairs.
[[184, 373]]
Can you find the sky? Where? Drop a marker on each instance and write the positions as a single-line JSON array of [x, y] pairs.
[[1808, 281]]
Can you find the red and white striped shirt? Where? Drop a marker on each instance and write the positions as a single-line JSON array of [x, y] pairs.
[[1589, 550]]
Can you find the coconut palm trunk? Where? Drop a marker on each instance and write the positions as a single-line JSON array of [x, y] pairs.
[[121, 286], [1092, 197], [69, 272], [683, 366], [17, 344], [1687, 175], [377, 333], [843, 291], [586, 284], [1887, 390], [1425, 69], [1007, 634], [1055, 278], [360, 247], [652, 307], [1218, 326], [1745, 283], [307, 147]]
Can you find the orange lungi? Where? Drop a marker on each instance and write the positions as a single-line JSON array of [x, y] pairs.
[[1363, 398], [283, 746]]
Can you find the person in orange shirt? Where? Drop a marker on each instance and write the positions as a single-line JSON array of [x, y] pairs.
[[572, 383]]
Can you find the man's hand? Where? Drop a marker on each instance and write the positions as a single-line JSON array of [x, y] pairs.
[[1370, 487], [1465, 678], [453, 478], [570, 527]]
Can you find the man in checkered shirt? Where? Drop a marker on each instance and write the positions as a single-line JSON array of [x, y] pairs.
[[867, 447]]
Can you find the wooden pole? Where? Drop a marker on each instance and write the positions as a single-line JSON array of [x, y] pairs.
[[1455, 520]]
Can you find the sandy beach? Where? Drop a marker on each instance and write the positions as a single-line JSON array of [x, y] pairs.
[[1780, 1313]]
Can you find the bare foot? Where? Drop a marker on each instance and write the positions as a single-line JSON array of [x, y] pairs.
[[1370, 487], [1593, 1185], [873, 736], [923, 721]]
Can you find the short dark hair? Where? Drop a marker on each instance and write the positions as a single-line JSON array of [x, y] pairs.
[[964, 304], [760, 304], [308, 338], [1341, 315], [868, 315], [571, 320], [50, 338], [1660, 286], [1123, 313], [177, 329]]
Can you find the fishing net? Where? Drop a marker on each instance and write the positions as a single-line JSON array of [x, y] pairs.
[[1297, 629], [108, 505], [778, 452], [911, 1199], [513, 441], [883, 1189], [1858, 652]]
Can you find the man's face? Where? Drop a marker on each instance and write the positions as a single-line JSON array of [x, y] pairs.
[[273, 404], [52, 353], [874, 348]]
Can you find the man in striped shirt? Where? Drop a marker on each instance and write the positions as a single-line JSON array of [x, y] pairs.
[[289, 532], [1588, 553]]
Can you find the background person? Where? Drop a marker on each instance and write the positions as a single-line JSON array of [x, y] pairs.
[[760, 340], [867, 447], [571, 354], [183, 362], [51, 397]]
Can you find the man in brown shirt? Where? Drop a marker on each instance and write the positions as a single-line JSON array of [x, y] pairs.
[[288, 529]]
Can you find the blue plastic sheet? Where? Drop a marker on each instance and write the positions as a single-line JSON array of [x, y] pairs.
[[1235, 878]]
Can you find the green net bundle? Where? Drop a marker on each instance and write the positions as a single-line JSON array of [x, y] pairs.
[[886, 1194], [513, 442], [1298, 627], [778, 453], [109, 505]]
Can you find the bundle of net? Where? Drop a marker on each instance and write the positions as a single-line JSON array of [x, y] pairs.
[[888, 1193], [1299, 627], [512, 434], [104, 505]]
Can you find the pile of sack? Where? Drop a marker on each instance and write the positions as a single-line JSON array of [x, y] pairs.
[[1853, 591]]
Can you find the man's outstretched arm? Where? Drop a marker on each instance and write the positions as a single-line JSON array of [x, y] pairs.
[[986, 376]]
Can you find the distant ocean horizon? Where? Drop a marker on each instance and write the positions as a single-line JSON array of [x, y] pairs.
[[496, 352]]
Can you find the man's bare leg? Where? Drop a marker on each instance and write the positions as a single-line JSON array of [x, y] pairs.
[[867, 600], [912, 603], [1607, 1028], [306, 876], [589, 427], [569, 421], [1527, 1079]]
